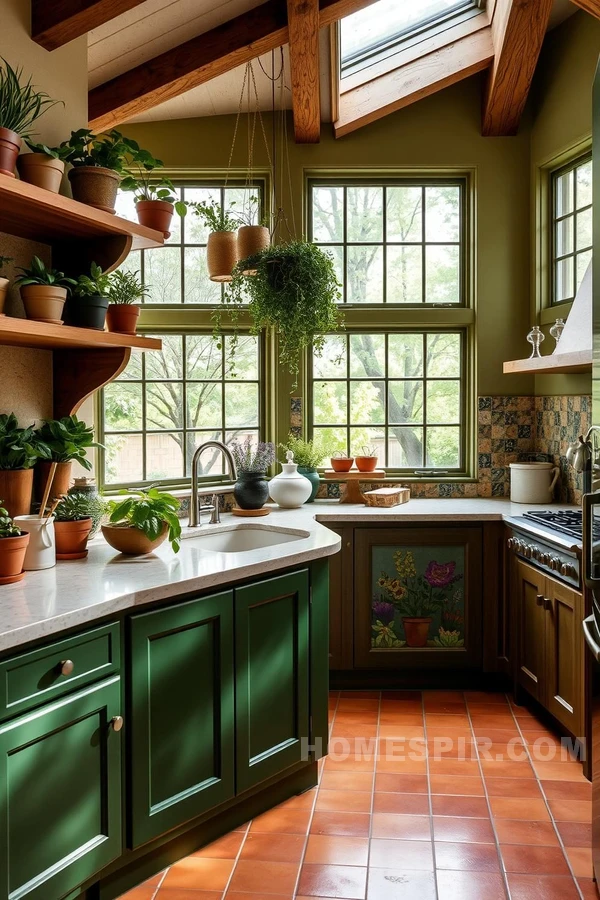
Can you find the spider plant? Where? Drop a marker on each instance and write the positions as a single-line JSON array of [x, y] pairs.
[[20, 103]]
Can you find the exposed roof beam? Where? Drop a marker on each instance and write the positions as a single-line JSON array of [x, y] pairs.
[[56, 22], [518, 30], [413, 81], [303, 24], [200, 59], [591, 6]]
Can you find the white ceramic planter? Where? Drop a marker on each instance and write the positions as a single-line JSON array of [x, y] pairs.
[[533, 482], [41, 550], [290, 489]]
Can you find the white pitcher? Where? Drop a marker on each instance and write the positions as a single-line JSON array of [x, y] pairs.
[[41, 550], [533, 482]]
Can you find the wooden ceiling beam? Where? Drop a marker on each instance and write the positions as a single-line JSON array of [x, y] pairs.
[[591, 6], [303, 25], [201, 59], [56, 22], [518, 31]]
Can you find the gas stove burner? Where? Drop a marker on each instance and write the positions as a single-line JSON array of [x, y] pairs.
[[567, 521]]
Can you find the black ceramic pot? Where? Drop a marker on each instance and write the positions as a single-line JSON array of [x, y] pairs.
[[251, 490], [88, 311]]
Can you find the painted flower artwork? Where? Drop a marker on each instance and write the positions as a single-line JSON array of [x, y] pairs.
[[418, 598]]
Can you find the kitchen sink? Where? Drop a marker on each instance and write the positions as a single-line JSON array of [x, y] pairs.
[[241, 538]]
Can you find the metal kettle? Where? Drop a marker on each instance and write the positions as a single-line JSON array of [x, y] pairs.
[[579, 453]]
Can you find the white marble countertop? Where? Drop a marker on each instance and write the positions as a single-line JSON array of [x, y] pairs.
[[79, 592]]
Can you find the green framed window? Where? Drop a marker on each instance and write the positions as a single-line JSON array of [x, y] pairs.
[[571, 210]]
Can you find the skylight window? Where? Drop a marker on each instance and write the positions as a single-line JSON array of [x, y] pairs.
[[383, 28]]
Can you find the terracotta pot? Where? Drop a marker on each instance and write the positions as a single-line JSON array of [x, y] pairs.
[[122, 317], [72, 538], [42, 170], [16, 487], [416, 630], [252, 239], [155, 214], [60, 483], [341, 464], [10, 145], [95, 186], [12, 557], [4, 282], [221, 255], [131, 541], [366, 463], [44, 302]]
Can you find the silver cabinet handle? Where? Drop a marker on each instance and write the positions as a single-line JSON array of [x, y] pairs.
[[588, 633], [66, 666], [116, 723]]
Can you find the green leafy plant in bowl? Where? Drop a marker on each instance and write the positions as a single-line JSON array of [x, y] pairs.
[[141, 522], [43, 291], [125, 292], [20, 106]]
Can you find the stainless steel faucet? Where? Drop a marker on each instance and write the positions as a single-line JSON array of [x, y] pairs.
[[195, 508]]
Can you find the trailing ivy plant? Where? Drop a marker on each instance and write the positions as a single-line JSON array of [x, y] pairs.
[[294, 291]]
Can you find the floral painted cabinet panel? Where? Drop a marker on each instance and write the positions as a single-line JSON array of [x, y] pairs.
[[418, 597]]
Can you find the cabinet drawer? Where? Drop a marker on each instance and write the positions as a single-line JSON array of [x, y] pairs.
[[37, 676]]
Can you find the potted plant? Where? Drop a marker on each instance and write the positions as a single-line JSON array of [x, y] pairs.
[[44, 166], [43, 292], [66, 439], [89, 299], [308, 455], [99, 163], [4, 282], [294, 291], [13, 546], [73, 523], [155, 200], [141, 522], [124, 291], [20, 449], [341, 462], [221, 247], [251, 489], [20, 106], [367, 461], [252, 238]]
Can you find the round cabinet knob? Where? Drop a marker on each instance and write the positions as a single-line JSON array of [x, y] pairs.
[[66, 666], [510, 543], [116, 723]]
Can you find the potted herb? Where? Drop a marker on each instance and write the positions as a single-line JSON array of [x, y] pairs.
[[43, 292], [141, 522], [44, 166], [66, 439], [4, 282], [99, 163], [367, 460], [89, 299], [308, 455], [294, 291], [155, 200], [73, 523], [221, 247], [20, 106], [125, 290], [251, 489], [20, 449], [13, 546]]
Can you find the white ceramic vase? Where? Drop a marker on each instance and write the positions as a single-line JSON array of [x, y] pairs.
[[290, 489]]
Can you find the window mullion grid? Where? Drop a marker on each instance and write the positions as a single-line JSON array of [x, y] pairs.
[[423, 248], [348, 412], [425, 381], [345, 241], [386, 407], [384, 232], [184, 410], [144, 423], [223, 387]]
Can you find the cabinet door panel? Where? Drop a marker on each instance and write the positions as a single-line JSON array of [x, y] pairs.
[[60, 794], [530, 586], [272, 676], [563, 655], [182, 713]]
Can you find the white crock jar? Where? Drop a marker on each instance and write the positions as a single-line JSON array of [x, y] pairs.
[[290, 489], [533, 482], [41, 550]]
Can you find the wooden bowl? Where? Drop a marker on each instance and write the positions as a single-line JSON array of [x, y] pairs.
[[131, 541], [341, 464]]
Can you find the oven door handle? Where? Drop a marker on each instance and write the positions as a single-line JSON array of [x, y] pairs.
[[589, 501], [589, 627]]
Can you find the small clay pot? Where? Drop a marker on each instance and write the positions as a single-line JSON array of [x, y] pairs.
[[10, 146], [72, 538], [130, 540], [221, 255], [341, 463], [252, 239], [16, 488], [42, 170], [12, 557], [95, 186], [366, 463], [155, 214], [122, 317], [88, 312], [4, 282], [416, 629], [44, 302], [60, 483]]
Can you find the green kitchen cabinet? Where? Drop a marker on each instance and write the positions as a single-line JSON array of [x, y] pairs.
[[272, 649], [60, 793], [182, 713]]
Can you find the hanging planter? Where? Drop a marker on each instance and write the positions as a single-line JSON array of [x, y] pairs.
[[251, 239], [221, 247]]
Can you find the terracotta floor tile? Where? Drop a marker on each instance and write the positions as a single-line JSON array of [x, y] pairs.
[[514, 808], [455, 828], [489, 709], [387, 762], [400, 718], [469, 807], [571, 790], [534, 860], [329, 849], [347, 781], [445, 748], [509, 751], [200, 874], [484, 697], [353, 731], [571, 810], [226, 847], [575, 834], [513, 787], [401, 731], [495, 735], [470, 885], [445, 696], [536, 887], [406, 706], [344, 801], [395, 884], [531, 736], [342, 823], [282, 821], [300, 801], [402, 695], [140, 893], [506, 769], [481, 721], [440, 720], [360, 695], [588, 888], [183, 894], [350, 764], [402, 784], [247, 895], [268, 877], [580, 859], [349, 882], [519, 831], [273, 847], [398, 827], [407, 804], [561, 771], [463, 785], [403, 855], [464, 857], [446, 708], [453, 767], [449, 733]]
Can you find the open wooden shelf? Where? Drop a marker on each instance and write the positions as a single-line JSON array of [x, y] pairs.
[[561, 363], [25, 333]]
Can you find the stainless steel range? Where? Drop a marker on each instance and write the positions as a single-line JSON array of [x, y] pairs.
[[550, 540]]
